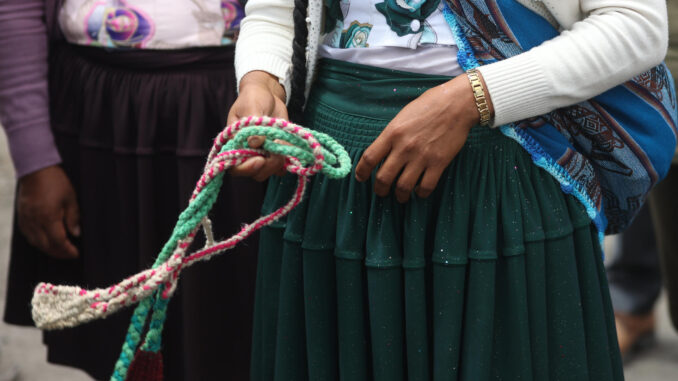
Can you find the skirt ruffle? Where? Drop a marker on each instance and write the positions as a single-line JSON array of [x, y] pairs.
[[133, 129], [497, 275]]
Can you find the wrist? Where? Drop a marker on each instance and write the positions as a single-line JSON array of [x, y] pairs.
[[460, 102], [481, 97], [37, 175], [258, 78]]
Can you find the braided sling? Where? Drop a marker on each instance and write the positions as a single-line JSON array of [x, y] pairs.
[[306, 153]]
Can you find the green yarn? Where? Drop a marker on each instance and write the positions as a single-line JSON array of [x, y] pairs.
[[336, 164], [153, 340], [299, 148], [131, 340]]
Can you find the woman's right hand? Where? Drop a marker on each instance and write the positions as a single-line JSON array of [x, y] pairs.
[[47, 210], [260, 95]]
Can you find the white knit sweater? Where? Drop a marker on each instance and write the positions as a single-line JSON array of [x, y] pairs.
[[603, 43]]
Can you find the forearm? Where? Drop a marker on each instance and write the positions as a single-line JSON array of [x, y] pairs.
[[24, 104], [613, 44], [265, 40]]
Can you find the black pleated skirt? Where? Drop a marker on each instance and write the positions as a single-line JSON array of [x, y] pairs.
[[133, 129]]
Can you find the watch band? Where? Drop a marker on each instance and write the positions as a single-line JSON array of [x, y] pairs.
[[480, 97]]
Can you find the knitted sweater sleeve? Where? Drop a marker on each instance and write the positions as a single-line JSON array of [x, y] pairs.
[[24, 105], [616, 40], [265, 40]]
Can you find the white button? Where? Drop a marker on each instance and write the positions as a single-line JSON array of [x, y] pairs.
[[415, 25]]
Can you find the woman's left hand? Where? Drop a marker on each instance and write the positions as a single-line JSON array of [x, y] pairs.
[[421, 141]]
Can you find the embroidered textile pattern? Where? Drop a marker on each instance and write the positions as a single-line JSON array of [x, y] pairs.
[[608, 151], [56, 307]]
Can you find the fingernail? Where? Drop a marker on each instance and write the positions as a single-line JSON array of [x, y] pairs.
[[76, 231], [255, 141]]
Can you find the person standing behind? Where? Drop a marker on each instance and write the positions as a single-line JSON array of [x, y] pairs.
[[108, 134]]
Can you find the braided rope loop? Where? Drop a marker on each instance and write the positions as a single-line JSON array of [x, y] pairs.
[[306, 153]]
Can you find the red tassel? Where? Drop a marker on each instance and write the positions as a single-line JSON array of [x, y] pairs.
[[146, 366]]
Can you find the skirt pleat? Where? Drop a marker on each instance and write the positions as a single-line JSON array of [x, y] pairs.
[[290, 351], [133, 129], [352, 329], [497, 275]]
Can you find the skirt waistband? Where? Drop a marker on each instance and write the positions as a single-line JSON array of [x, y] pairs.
[[354, 102], [141, 102], [203, 58]]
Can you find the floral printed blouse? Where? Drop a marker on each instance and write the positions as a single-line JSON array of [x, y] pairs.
[[151, 24], [404, 35], [390, 23]]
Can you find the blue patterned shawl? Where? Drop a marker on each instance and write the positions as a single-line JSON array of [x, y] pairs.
[[608, 151]]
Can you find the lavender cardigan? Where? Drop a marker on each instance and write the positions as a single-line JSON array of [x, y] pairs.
[[27, 25]]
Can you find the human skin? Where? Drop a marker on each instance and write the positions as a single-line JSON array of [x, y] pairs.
[[448, 112], [260, 94], [47, 211]]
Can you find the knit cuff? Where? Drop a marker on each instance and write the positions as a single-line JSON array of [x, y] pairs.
[[32, 148], [269, 63], [518, 88]]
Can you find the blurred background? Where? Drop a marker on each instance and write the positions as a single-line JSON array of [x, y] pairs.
[[22, 355]]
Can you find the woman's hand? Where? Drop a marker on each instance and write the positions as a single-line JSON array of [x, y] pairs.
[[47, 209], [421, 141], [260, 95]]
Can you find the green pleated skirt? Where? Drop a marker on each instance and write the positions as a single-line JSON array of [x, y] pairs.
[[497, 275]]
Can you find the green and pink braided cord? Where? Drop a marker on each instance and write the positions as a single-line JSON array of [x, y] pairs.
[[306, 154]]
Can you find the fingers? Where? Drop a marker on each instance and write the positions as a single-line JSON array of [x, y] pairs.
[[72, 217], [272, 165], [260, 168], [47, 209], [47, 232], [280, 111], [387, 174], [232, 116], [372, 156], [249, 168], [258, 100], [256, 141], [49, 236], [429, 181], [35, 236], [407, 181], [59, 245]]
